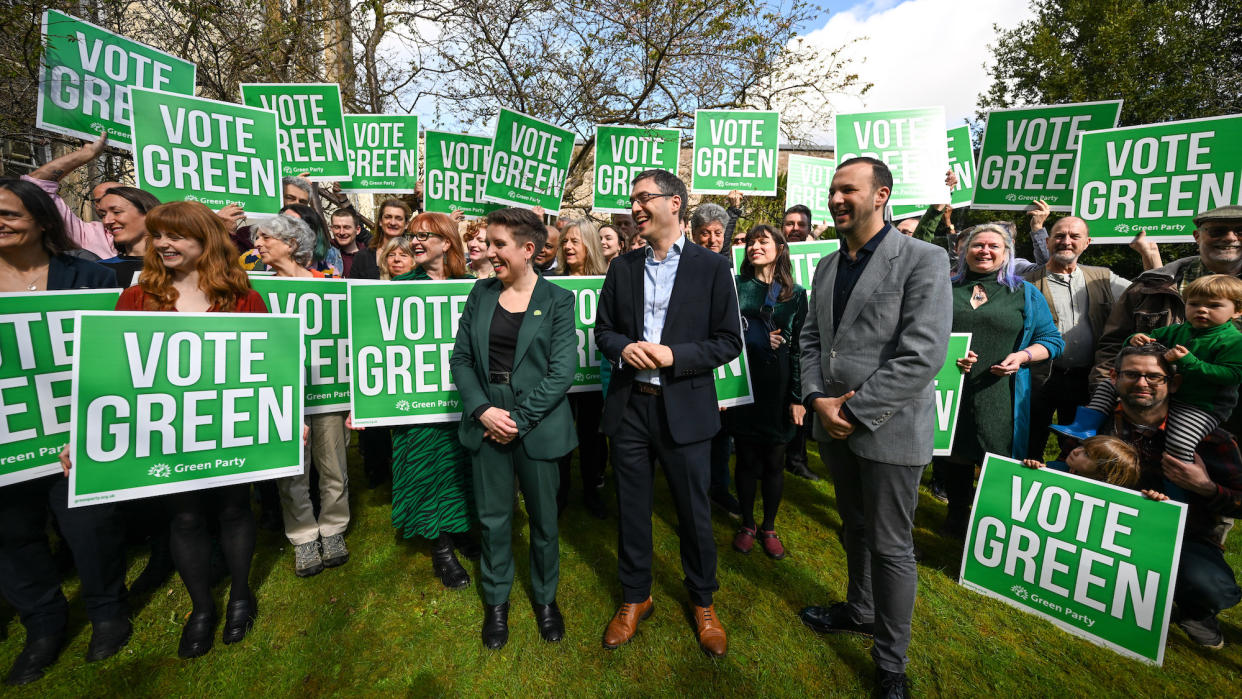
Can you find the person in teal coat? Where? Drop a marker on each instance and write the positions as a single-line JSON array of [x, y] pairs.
[[513, 363], [1010, 327]]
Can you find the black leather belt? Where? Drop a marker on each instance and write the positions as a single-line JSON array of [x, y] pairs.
[[649, 389], [501, 377]]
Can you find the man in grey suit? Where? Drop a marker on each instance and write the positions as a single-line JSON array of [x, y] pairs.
[[877, 332]]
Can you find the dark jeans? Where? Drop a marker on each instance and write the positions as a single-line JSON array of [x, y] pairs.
[[28, 576], [1062, 393], [1206, 585]]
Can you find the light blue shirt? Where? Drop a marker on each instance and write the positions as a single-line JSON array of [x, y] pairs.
[[658, 278]]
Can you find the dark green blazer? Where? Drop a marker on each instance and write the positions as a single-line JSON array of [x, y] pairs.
[[544, 362]]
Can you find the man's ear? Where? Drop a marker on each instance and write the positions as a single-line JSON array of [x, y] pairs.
[[1175, 382]]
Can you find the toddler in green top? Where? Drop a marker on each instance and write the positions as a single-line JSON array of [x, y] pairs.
[[1207, 352]]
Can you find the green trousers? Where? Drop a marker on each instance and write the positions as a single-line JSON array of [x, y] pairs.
[[495, 466]]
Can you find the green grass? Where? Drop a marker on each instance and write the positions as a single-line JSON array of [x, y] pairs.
[[383, 624]]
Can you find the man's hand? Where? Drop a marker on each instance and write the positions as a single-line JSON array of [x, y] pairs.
[[829, 412], [1038, 212], [1140, 339], [634, 355], [734, 198], [661, 355], [1191, 476], [965, 364], [498, 425], [1149, 252], [797, 413], [1176, 353]]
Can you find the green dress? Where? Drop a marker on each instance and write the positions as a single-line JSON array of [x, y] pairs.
[[985, 421], [432, 491], [776, 381]]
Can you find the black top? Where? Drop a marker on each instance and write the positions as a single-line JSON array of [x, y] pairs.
[[849, 271], [126, 267], [68, 272], [502, 340], [364, 265]]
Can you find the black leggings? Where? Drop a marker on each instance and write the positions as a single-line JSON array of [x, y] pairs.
[[759, 463], [190, 540]]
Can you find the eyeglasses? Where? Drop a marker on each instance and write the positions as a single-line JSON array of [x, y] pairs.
[[1220, 229], [421, 236], [1152, 379], [646, 197]]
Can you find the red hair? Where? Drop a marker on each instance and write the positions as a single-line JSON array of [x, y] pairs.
[[220, 274], [446, 228]]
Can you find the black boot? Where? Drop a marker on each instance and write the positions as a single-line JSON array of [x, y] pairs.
[[551, 623], [496, 625], [444, 563], [35, 658], [196, 635]]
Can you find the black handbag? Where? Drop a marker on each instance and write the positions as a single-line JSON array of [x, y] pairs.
[[758, 328]]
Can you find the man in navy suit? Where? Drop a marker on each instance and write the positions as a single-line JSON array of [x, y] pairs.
[[667, 318]]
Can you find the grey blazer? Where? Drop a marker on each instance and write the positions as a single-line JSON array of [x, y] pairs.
[[892, 340]]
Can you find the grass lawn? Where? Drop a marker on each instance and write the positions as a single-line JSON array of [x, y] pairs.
[[382, 624]]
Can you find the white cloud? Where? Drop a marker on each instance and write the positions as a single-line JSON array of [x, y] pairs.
[[920, 52]]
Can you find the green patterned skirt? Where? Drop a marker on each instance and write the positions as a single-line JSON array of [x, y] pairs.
[[431, 485]]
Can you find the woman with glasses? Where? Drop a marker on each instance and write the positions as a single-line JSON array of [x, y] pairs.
[[431, 491], [773, 309], [1010, 327]]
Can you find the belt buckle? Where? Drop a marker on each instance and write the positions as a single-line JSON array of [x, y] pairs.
[[649, 389], [498, 377]]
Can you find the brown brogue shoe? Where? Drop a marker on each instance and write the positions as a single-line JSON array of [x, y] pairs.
[[712, 637], [625, 623]]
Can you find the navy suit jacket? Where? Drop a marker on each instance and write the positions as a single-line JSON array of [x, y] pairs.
[[703, 328]]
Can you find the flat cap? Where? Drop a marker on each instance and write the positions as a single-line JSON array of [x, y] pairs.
[[1220, 213]]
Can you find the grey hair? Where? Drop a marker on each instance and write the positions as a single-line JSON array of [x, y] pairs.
[[293, 232], [300, 182], [707, 214]]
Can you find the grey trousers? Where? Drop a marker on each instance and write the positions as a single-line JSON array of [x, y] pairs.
[[876, 502]]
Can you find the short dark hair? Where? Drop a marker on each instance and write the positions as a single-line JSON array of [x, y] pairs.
[[342, 213], [667, 183], [42, 209], [1151, 349], [523, 224], [798, 209], [881, 176]]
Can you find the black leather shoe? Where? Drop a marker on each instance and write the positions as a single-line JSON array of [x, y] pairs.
[[196, 635], [891, 685], [834, 619], [800, 469], [495, 625], [551, 623], [447, 568], [239, 619], [37, 655], [108, 638]]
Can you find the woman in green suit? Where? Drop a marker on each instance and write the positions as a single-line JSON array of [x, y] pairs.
[[513, 363]]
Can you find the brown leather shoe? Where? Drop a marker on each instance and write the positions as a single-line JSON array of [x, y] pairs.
[[625, 623], [711, 634]]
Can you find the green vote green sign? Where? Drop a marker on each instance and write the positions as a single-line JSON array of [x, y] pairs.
[[910, 141], [171, 402], [402, 335], [382, 153], [455, 166], [1157, 178], [586, 304], [86, 73], [217, 153], [529, 163], [808, 184], [322, 306], [621, 152], [803, 256], [1028, 153], [312, 127], [735, 149], [948, 384], [962, 163], [36, 373], [1097, 560]]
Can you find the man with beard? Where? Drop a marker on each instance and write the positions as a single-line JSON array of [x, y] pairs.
[[1080, 297]]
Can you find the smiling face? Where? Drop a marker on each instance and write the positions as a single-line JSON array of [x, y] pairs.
[[177, 252], [510, 259], [476, 247], [761, 251], [854, 200], [1220, 245], [122, 219], [548, 253], [795, 227], [428, 251], [1068, 240], [1207, 312], [344, 231], [1133, 388], [398, 262], [986, 252], [392, 221], [575, 250], [654, 213], [711, 236], [609, 242], [18, 230]]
